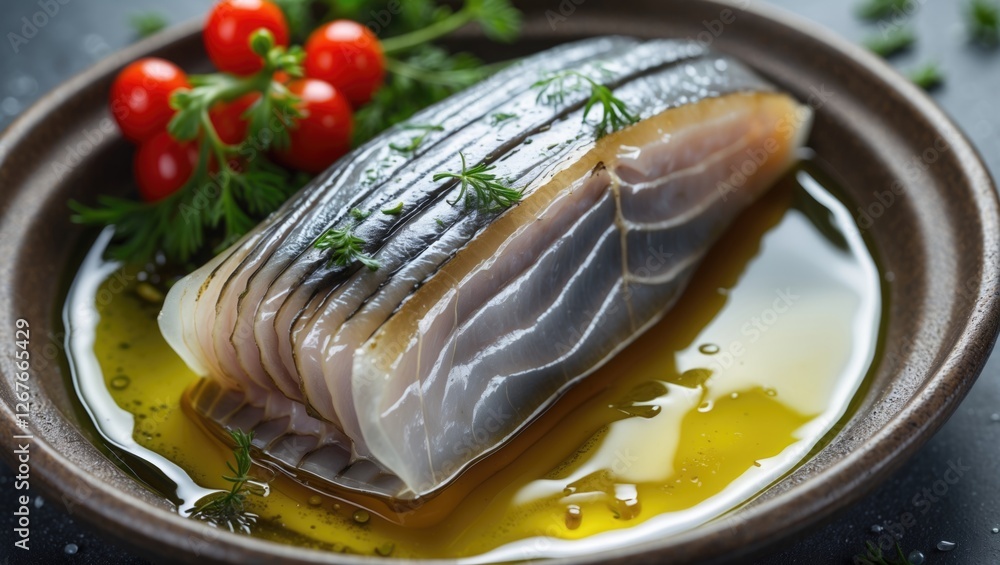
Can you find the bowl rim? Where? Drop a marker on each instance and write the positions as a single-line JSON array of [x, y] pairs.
[[160, 531]]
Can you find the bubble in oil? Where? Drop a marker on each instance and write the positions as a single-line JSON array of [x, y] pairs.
[[386, 549], [574, 516], [361, 516], [120, 382], [706, 406], [708, 349], [315, 500]]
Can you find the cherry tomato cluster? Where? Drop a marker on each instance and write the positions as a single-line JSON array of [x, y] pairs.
[[343, 64]]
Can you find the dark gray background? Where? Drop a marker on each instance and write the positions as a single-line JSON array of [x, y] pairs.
[[84, 31]]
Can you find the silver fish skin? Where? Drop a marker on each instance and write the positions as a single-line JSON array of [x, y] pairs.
[[478, 320]]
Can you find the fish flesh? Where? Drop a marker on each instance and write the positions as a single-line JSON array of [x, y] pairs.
[[477, 319]]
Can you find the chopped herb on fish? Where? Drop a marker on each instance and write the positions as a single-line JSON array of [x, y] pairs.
[[394, 211], [501, 117], [416, 141], [358, 215], [345, 248], [487, 193]]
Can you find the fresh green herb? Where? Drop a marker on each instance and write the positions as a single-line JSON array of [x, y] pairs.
[[358, 215], [229, 508], [394, 211], [346, 248], [983, 18], [215, 206], [426, 75], [487, 193], [873, 556], [891, 41], [417, 140], [299, 16], [556, 86], [500, 117], [439, 222], [147, 24], [881, 9], [499, 20], [929, 76]]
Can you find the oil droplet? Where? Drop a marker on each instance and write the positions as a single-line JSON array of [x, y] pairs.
[[71, 549], [574, 516], [569, 490], [709, 349], [946, 545], [361, 516], [315, 500], [693, 378], [757, 464], [734, 395], [705, 406], [876, 529], [627, 502], [120, 382], [385, 550], [916, 557], [770, 392]]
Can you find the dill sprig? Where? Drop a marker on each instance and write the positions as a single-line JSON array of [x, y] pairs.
[[892, 41], [228, 508], [873, 556], [487, 193], [875, 10], [983, 17], [928, 76], [615, 113], [346, 248]]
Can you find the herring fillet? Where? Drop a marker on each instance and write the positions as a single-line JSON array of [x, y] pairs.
[[477, 321]]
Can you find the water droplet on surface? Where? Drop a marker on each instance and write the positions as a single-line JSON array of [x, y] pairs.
[[995, 530], [361, 516], [946, 545], [39, 501], [709, 349], [71, 549], [876, 529], [916, 557], [995, 417], [315, 500], [574, 516], [120, 382]]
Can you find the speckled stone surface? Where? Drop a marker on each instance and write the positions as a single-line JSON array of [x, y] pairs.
[[924, 502]]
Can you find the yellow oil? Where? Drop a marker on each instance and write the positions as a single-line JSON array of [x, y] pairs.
[[721, 398]]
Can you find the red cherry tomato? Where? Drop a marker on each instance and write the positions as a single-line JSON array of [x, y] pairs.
[[228, 121], [323, 135], [347, 55], [163, 165], [228, 29], [140, 97]]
